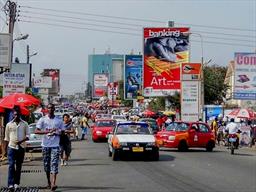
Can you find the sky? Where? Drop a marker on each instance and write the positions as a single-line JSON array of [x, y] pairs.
[[65, 32]]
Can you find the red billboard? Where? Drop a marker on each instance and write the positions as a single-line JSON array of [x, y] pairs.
[[165, 49]]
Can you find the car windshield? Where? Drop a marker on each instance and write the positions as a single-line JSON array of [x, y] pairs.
[[119, 117], [133, 129], [105, 123], [177, 126], [151, 122]]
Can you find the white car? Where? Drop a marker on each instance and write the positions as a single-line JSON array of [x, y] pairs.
[[132, 138], [119, 118]]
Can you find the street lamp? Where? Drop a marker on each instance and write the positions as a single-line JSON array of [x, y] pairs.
[[22, 37]]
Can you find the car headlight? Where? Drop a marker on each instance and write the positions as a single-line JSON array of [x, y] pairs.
[[98, 132], [151, 144], [123, 143], [171, 138]]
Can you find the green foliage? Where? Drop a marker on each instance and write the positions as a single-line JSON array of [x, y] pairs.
[[157, 104], [214, 87]]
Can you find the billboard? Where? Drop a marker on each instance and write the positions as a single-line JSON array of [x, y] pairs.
[[13, 83], [245, 76], [55, 75], [190, 91], [100, 85], [165, 49], [5, 50], [133, 76], [112, 91], [42, 82], [20, 68]]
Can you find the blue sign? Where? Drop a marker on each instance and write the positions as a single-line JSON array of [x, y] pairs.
[[133, 76], [212, 111]]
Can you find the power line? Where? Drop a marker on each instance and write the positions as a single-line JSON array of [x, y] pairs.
[[121, 33], [136, 19], [132, 29], [129, 24]]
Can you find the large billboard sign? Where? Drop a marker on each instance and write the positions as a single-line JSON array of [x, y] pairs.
[[245, 76], [100, 85], [13, 83], [165, 49], [5, 50], [42, 82], [133, 76], [55, 75]]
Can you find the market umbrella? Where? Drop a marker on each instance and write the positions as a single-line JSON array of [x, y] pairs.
[[148, 113], [242, 113], [168, 113], [23, 110], [19, 99]]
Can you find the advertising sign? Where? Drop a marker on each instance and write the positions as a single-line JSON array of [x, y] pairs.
[[13, 83], [42, 82], [100, 85], [5, 50], [55, 75], [112, 90], [190, 71], [245, 76], [133, 76], [165, 49], [190, 101]]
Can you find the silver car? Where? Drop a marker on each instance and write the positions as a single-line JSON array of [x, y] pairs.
[[35, 140]]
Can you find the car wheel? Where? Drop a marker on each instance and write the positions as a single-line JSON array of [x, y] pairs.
[[183, 146], [115, 155], [210, 146]]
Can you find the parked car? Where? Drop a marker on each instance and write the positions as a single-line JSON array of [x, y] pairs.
[[152, 124], [35, 140], [132, 138], [184, 135], [101, 128], [103, 116]]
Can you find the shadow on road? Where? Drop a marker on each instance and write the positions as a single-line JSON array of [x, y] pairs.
[[190, 150], [243, 154], [164, 157], [90, 164], [73, 188]]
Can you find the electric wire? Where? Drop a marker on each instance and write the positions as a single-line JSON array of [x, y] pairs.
[[135, 19], [116, 32], [129, 24], [132, 29]]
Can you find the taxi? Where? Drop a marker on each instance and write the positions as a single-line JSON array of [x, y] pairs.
[[184, 135], [101, 128], [130, 138]]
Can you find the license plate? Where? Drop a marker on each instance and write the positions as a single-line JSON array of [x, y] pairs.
[[232, 139], [137, 149]]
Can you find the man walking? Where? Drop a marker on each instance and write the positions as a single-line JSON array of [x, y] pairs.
[[51, 127], [16, 133]]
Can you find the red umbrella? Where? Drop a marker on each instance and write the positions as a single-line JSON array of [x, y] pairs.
[[242, 113], [19, 99], [148, 113], [23, 110]]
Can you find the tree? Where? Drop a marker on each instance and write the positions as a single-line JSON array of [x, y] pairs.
[[214, 87], [127, 103]]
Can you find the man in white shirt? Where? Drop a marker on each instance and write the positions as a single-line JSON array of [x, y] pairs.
[[232, 127], [16, 133], [51, 127]]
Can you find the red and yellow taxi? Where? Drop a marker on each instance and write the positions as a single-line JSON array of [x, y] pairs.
[[101, 128], [184, 135]]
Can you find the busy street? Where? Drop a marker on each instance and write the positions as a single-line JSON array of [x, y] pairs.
[[90, 169]]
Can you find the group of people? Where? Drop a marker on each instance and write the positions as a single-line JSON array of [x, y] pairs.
[[56, 143]]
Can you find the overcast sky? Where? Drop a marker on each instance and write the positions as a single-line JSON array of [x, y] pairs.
[[65, 32]]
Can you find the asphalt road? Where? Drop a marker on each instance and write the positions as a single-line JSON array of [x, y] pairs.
[[90, 169]]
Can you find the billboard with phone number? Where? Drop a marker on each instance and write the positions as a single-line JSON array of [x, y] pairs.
[[133, 76], [100, 85], [165, 49], [245, 76]]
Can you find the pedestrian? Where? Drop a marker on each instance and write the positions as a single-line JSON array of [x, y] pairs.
[[51, 127], [75, 121], [84, 126], [16, 133], [65, 142], [252, 134]]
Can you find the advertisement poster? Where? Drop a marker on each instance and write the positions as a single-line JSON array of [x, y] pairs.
[[100, 85], [42, 82], [190, 71], [133, 76], [5, 49], [112, 91], [165, 49], [245, 136], [190, 101], [55, 75], [245, 76], [13, 83]]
